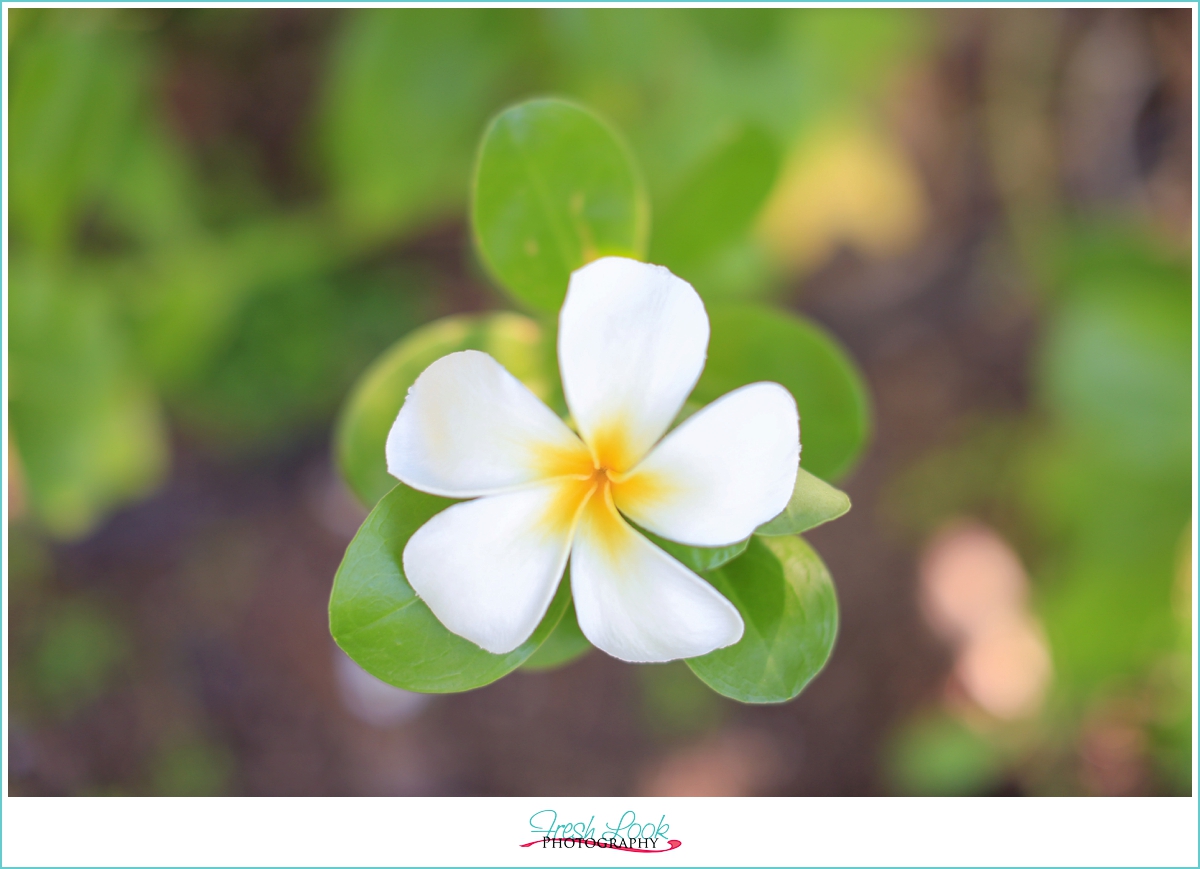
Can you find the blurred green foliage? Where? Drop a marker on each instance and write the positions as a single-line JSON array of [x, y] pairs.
[[936, 755], [713, 208], [1107, 482], [157, 276], [406, 96], [76, 91], [322, 333], [1095, 490], [77, 655], [675, 703], [191, 768], [1103, 479], [87, 424]]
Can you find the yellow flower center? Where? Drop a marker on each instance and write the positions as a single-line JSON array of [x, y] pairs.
[[593, 484]]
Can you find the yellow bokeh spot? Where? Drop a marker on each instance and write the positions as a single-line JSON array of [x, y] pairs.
[[845, 184]]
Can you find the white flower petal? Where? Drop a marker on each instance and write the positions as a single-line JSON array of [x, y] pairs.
[[469, 428], [631, 344], [488, 568], [722, 473], [637, 603]]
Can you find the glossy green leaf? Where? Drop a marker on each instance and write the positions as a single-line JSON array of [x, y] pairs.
[[566, 644], [698, 558], [717, 202], [814, 502], [378, 620], [751, 343], [555, 188], [786, 598], [516, 342]]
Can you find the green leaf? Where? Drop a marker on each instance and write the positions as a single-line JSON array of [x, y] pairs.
[[516, 342], [717, 202], [698, 558], [555, 188], [751, 343], [378, 620], [785, 595], [566, 644], [814, 502]]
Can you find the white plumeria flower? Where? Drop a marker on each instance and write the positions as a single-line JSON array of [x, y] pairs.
[[632, 341]]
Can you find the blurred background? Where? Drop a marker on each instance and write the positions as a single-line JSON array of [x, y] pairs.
[[219, 217]]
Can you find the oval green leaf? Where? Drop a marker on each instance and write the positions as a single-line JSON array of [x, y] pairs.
[[786, 598], [751, 343], [555, 188], [378, 620], [516, 342], [814, 502]]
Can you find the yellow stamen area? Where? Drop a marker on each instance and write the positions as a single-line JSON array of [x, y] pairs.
[[570, 495], [640, 490], [611, 449], [605, 528], [589, 502], [591, 485], [555, 461]]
